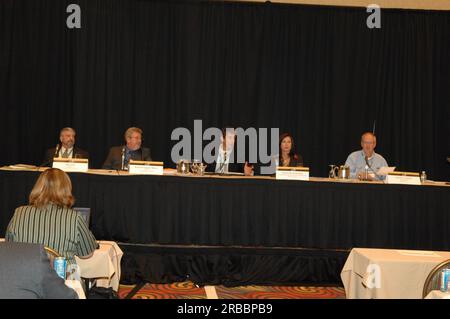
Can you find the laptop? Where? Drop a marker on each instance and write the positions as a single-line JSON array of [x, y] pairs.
[[85, 213]]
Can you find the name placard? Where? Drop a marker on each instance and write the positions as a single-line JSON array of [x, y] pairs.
[[71, 164], [145, 167], [406, 178], [292, 173]]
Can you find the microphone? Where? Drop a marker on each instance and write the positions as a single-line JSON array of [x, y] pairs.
[[57, 149], [123, 159], [370, 167], [50, 160]]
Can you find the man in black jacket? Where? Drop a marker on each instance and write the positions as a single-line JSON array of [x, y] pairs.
[[226, 159], [25, 273], [119, 156], [65, 148]]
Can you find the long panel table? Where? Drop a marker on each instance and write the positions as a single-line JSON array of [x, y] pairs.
[[250, 212]]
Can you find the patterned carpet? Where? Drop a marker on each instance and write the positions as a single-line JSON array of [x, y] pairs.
[[188, 290]]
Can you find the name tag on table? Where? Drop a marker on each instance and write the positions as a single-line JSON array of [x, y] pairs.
[[292, 173], [145, 168], [71, 164], [406, 178]]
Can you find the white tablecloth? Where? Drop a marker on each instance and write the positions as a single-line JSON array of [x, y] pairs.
[[402, 272], [76, 285], [437, 294], [103, 265]]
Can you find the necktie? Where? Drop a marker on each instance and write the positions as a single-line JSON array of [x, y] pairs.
[[224, 168], [65, 154], [127, 157]]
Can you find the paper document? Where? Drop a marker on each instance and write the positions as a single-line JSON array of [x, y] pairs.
[[22, 166], [385, 170]]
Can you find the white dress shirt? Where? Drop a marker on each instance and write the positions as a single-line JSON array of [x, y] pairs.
[[222, 161], [69, 152]]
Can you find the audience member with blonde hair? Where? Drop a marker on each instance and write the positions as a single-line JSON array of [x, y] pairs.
[[49, 219]]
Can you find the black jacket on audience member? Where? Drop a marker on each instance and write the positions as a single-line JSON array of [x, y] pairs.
[[25, 273]]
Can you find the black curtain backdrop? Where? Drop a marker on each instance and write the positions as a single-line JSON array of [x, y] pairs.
[[317, 72]]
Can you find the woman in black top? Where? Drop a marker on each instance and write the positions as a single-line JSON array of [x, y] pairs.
[[288, 157]]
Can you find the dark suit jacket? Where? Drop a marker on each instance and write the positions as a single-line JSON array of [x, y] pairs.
[[296, 162], [25, 273], [114, 159], [48, 157], [232, 167]]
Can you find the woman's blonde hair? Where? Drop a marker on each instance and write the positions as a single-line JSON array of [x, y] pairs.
[[53, 186]]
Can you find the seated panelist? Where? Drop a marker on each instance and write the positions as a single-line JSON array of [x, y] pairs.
[[287, 155], [366, 157], [225, 159], [119, 156], [65, 148]]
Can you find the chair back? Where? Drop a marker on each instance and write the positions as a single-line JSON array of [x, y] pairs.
[[52, 254], [433, 281]]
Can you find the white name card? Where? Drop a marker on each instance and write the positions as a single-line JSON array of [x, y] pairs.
[[292, 173], [406, 178], [145, 168], [71, 164]]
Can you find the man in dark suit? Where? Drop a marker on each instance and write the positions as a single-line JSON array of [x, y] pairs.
[[225, 161], [65, 149], [132, 150], [25, 273]]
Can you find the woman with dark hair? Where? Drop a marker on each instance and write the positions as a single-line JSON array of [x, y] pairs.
[[287, 155], [49, 219]]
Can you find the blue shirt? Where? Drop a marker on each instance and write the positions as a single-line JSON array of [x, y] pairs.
[[129, 154], [357, 163]]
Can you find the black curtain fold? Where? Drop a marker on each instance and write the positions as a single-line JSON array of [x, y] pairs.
[[317, 72], [231, 267]]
